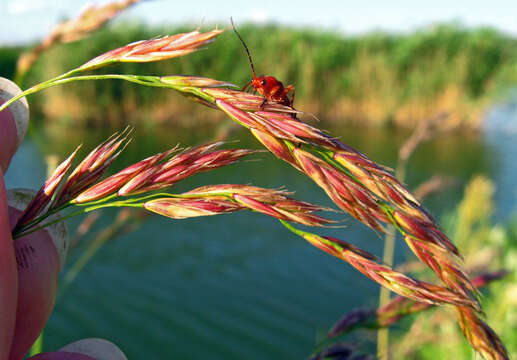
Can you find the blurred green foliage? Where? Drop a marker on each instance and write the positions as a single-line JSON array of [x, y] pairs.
[[8, 57], [378, 78]]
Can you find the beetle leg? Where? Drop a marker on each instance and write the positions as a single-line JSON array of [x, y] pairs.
[[291, 100], [275, 91], [289, 88], [245, 87]]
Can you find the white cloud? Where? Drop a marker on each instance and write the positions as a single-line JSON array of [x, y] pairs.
[[259, 16], [18, 7]]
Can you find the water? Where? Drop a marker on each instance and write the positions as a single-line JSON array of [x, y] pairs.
[[241, 286]]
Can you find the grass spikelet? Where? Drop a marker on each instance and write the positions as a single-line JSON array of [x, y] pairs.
[[158, 49]]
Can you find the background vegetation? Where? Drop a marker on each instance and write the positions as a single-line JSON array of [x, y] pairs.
[[375, 79]]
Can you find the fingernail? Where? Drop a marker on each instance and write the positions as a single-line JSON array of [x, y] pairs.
[[96, 348], [14, 121]]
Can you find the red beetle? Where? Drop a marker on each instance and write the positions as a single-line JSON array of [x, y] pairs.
[[267, 86]]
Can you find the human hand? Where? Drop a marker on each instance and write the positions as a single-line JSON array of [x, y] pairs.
[[30, 266]]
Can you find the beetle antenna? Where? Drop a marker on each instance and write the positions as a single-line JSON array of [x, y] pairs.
[[245, 48]]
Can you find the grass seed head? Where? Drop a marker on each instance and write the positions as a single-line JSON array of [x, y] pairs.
[[158, 49]]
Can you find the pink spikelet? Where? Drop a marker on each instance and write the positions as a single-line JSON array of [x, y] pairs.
[[158, 49], [91, 168]]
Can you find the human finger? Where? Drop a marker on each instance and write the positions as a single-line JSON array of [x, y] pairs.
[[38, 270], [8, 277]]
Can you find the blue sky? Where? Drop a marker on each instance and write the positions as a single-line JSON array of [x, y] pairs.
[[29, 20]]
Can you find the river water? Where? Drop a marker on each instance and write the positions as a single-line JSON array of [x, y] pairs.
[[240, 286]]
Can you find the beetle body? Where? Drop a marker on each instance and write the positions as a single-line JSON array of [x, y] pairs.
[[271, 89]]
